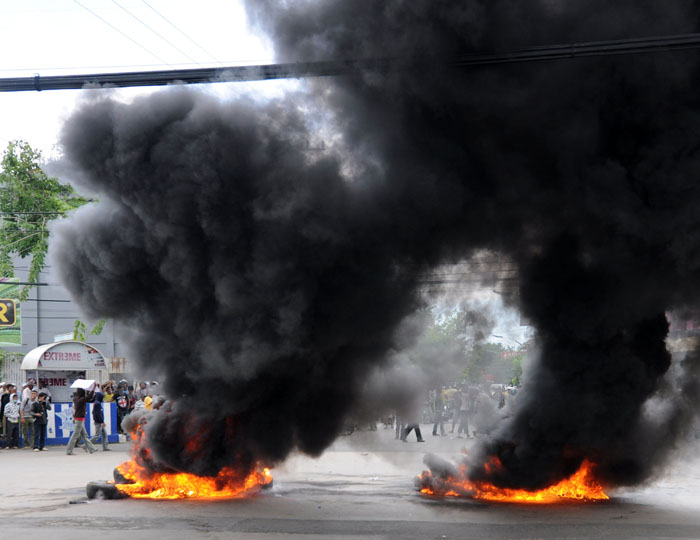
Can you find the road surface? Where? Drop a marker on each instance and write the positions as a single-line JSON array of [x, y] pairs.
[[362, 487]]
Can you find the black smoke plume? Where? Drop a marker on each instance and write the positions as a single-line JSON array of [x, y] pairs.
[[262, 255]]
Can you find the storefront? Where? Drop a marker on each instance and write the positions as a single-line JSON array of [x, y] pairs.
[[58, 365]]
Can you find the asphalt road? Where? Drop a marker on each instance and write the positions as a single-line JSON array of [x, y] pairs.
[[362, 487]]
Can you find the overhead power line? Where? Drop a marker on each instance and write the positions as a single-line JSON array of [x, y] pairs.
[[31, 213], [178, 49], [181, 32], [46, 300], [33, 283], [341, 67], [122, 33]]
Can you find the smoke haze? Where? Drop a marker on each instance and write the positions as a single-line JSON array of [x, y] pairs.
[[267, 276]]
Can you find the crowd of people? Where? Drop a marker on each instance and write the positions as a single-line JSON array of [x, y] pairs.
[[24, 416], [24, 412], [129, 398], [463, 405], [471, 409]]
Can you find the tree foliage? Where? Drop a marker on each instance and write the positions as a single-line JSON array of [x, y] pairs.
[[80, 330], [463, 331], [29, 200]]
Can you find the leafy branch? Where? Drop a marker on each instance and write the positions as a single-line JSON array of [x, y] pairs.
[[80, 331], [29, 200]]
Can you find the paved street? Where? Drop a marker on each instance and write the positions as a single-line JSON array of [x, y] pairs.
[[362, 487]]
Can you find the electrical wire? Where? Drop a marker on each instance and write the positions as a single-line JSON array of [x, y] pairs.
[[45, 300], [183, 33], [344, 67], [156, 33], [122, 33], [31, 213]]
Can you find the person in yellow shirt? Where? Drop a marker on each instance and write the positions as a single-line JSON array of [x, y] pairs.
[[108, 391]]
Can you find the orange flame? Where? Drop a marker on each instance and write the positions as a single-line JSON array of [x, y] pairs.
[[580, 486], [226, 484], [146, 483]]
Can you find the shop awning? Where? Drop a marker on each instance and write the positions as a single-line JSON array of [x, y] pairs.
[[64, 355]]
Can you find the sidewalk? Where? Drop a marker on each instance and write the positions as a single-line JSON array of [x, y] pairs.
[[30, 479]]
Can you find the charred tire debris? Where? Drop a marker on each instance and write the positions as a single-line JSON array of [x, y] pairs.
[[101, 489]]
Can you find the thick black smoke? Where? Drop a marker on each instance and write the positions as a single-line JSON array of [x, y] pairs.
[[267, 279]]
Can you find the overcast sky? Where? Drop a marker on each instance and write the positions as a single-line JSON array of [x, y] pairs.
[[52, 37]]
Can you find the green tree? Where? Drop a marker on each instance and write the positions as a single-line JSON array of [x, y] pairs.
[[460, 333], [80, 330], [517, 370], [29, 200]]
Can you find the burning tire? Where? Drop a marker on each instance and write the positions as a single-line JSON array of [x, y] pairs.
[[119, 478], [103, 490]]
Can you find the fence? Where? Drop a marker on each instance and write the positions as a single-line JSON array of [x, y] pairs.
[[11, 371]]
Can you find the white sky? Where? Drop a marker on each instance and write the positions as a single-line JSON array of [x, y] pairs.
[[61, 37]]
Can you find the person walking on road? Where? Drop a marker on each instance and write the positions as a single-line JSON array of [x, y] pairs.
[[79, 407], [98, 419], [407, 430], [410, 426]]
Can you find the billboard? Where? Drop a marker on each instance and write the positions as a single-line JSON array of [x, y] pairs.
[[10, 321]]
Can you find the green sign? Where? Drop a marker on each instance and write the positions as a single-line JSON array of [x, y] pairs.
[[10, 323], [7, 312]]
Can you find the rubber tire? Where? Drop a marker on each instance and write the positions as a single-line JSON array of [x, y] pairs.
[[103, 490], [119, 478]]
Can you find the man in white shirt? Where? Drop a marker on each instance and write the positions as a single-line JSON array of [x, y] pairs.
[[27, 389]]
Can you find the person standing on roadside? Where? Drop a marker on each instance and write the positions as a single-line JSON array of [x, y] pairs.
[[437, 406], [98, 419], [41, 418], [27, 389], [4, 400], [132, 398], [3, 393], [44, 388], [139, 405], [121, 397], [26, 416], [465, 410], [11, 417], [79, 407], [108, 389], [143, 390], [148, 401]]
